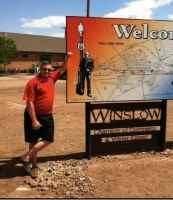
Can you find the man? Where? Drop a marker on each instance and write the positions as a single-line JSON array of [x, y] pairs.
[[86, 67], [38, 118]]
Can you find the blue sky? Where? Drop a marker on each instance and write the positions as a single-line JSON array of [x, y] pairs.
[[47, 17]]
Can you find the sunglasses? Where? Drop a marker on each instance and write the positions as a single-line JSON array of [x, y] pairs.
[[45, 69]]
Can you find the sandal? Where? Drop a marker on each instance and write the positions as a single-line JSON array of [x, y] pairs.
[[34, 171], [26, 165]]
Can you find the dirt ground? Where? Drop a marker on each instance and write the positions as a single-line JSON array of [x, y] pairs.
[[119, 176]]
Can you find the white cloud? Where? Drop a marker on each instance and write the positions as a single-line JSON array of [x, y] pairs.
[[45, 22], [61, 35], [28, 32], [170, 17], [141, 9], [58, 34]]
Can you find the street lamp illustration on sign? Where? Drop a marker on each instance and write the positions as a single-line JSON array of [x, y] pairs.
[[86, 66]]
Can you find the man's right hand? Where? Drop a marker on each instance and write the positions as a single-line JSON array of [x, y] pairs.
[[36, 125]]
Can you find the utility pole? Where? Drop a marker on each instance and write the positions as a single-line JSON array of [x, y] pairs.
[[88, 8]]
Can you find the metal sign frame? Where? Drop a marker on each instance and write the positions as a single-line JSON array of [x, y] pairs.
[[103, 129]]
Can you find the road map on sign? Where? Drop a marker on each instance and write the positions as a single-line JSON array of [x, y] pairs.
[[143, 70]]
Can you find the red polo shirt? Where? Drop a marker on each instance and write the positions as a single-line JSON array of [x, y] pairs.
[[41, 92]]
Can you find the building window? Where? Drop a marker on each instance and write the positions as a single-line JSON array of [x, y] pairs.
[[25, 55], [47, 57]]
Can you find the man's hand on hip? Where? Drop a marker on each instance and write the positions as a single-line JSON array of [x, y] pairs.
[[36, 125]]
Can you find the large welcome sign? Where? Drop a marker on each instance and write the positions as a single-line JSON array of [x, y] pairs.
[[133, 59]]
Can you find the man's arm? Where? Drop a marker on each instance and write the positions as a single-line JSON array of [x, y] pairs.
[[31, 110], [62, 69]]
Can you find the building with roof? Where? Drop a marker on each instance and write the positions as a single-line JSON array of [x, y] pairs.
[[31, 49]]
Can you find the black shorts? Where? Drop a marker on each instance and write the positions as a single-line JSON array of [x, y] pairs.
[[46, 132]]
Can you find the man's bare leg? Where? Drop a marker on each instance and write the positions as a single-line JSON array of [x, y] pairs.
[[26, 157], [35, 149]]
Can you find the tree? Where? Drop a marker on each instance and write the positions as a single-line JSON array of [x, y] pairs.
[[8, 50]]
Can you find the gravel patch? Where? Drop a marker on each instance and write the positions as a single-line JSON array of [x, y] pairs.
[[66, 178]]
